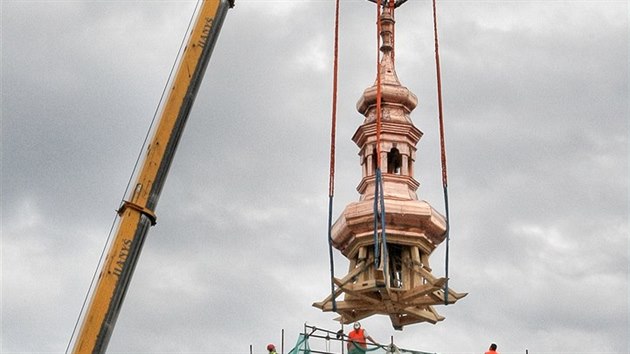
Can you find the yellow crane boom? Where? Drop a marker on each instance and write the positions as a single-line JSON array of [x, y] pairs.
[[137, 213]]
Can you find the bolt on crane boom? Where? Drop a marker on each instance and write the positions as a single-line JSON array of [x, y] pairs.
[[137, 212]]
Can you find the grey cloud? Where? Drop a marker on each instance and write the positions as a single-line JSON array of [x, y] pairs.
[[536, 103]]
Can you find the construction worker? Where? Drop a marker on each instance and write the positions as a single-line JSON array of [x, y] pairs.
[[271, 349], [492, 349], [357, 340]]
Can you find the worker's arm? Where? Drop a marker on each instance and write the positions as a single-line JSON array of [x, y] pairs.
[[372, 340]]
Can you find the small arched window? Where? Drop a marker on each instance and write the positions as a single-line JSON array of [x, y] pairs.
[[394, 161]]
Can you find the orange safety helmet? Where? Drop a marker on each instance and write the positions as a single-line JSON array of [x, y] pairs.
[[271, 347]]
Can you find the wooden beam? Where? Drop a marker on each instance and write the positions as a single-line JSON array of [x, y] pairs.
[[427, 316], [422, 290]]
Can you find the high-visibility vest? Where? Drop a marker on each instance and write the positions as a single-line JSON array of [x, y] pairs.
[[358, 337]]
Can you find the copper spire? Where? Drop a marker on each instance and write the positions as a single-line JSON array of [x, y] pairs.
[[389, 276]]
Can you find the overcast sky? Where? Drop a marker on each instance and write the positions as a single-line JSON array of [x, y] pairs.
[[536, 109]]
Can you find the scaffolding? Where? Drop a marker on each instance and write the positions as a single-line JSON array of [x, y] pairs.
[[314, 340]]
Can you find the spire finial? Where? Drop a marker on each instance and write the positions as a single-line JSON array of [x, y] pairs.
[[387, 31], [392, 92]]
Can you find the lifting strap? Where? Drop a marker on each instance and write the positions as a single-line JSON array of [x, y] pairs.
[[331, 180], [379, 200], [442, 148]]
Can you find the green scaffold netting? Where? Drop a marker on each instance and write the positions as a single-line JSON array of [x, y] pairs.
[[302, 347]]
